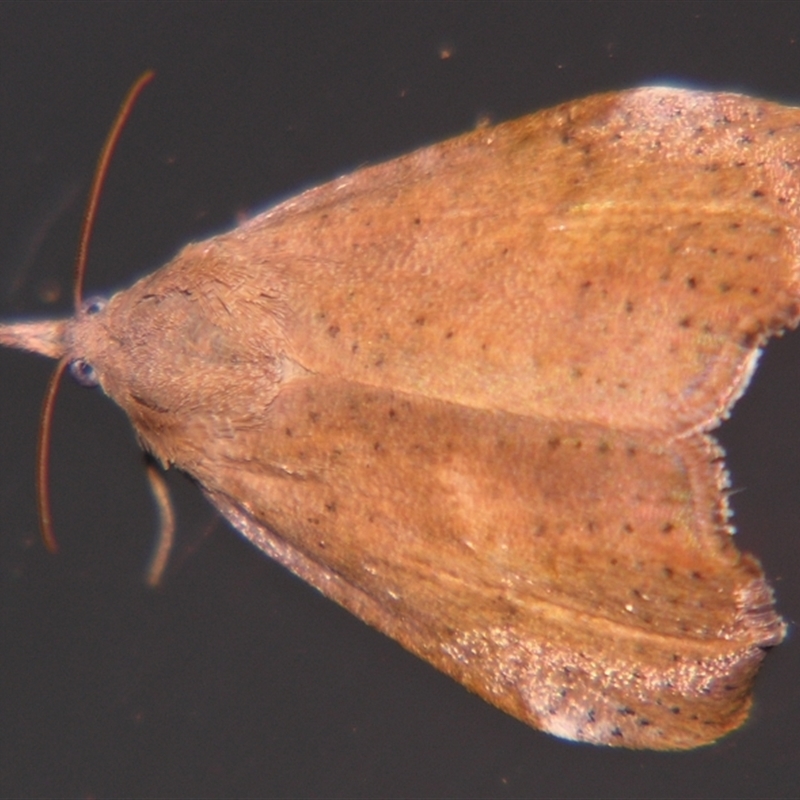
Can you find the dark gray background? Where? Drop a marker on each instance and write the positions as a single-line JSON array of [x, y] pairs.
[[236, 679]]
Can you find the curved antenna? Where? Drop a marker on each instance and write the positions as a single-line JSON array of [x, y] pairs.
[[100, 172], [46, 421], [43, 458]]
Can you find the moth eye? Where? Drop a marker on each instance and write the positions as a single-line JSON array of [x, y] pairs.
[[93, 305], [83, 372]]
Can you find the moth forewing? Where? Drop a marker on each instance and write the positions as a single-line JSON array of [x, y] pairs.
[[509, 551]]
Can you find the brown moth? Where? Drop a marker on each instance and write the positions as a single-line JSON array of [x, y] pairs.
[[467, 394]]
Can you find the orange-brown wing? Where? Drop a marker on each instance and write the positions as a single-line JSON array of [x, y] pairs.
[[614, 260], [580, 579]]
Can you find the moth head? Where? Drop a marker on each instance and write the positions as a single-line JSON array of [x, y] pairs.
[[182, 360]]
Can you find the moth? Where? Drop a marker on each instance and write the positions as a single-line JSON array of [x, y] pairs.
[[468, 394]]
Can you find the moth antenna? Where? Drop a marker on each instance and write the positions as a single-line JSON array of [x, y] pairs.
[[100, 172], [43, 458], [46, 422]]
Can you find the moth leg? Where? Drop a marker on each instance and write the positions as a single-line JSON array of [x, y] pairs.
[[166, 518]]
